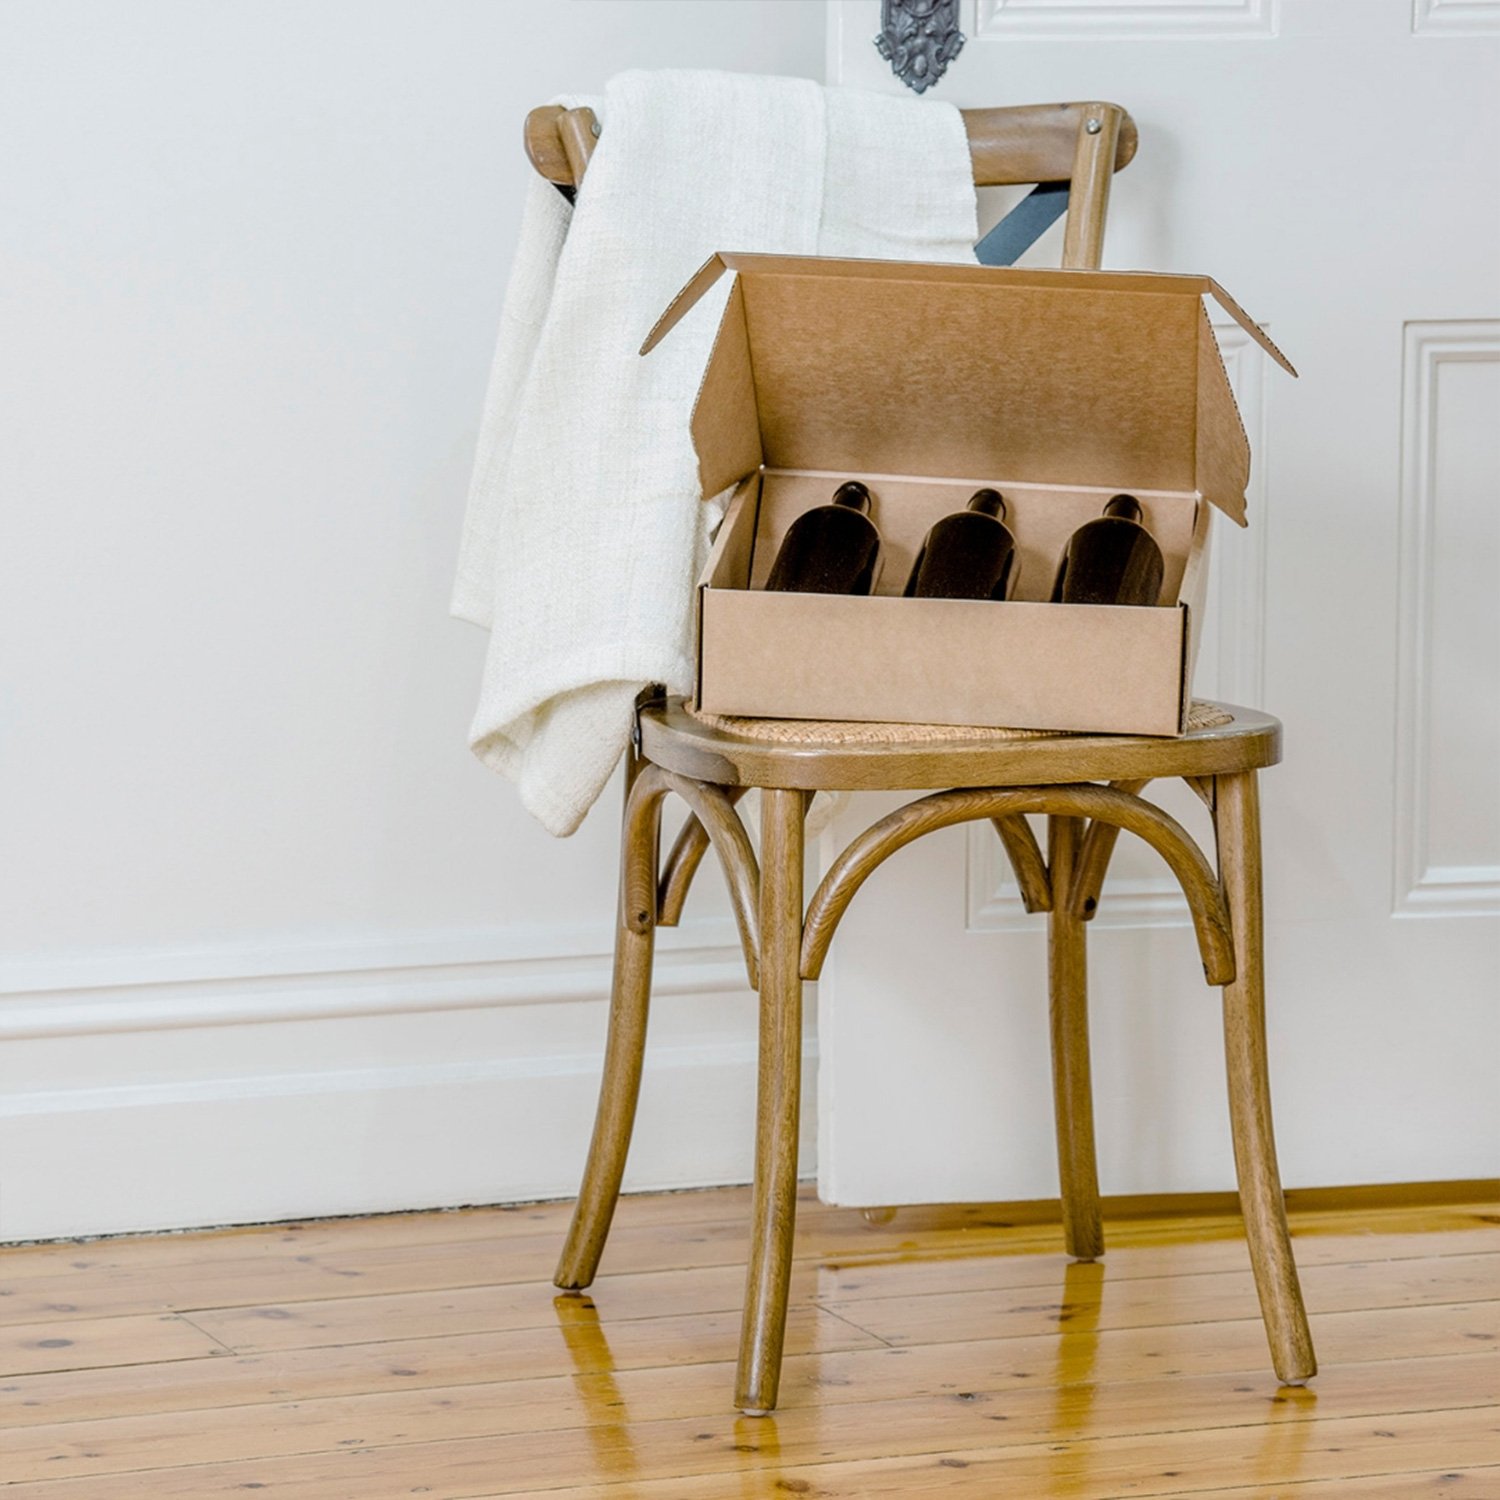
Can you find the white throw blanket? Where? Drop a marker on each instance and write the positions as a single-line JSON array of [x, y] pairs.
[[585, 529]]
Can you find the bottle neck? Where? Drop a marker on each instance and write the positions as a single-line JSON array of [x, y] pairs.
[[1127, 507], [853, 496], [988, 502]]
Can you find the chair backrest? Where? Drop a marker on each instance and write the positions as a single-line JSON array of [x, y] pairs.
[[1082, 145]]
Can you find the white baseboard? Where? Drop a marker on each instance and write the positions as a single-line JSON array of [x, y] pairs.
[[233, 984], [173, 1104]]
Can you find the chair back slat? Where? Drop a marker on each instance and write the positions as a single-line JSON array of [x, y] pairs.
[[1083, 145]]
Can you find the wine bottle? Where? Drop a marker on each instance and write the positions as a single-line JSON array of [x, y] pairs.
[[831, 549], [1111, 560], [968, 555]]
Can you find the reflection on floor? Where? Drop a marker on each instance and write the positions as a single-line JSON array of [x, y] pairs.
[[950, 1352]]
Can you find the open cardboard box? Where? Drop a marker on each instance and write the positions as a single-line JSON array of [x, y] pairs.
[[1058, 388]]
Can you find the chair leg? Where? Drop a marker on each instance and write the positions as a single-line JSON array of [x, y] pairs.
[[1072, 1091], [779, 1092], [624, 1054], [1237, 824]]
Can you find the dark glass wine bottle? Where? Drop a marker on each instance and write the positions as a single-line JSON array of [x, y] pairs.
[[832, 549], [968, 555], [1111, 560]]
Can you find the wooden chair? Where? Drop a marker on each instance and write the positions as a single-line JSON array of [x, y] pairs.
[[1087, 786]]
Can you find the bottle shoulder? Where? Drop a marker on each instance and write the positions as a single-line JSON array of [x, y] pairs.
[[1105, 527], [833, 518], [971, 526]]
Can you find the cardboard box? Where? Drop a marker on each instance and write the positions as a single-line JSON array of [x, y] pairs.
[[1058, 388]]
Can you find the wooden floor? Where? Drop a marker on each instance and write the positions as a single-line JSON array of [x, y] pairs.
[[940, 1353]]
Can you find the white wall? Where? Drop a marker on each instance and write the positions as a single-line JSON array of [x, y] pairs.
[[273, 943]]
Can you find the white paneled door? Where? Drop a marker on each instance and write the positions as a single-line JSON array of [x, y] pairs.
[[1334, 164]]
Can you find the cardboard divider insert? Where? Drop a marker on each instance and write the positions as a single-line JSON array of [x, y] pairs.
[[904, 508]]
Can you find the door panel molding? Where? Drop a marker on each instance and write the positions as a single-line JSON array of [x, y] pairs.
[[1125, 19], [1423, 883], [1455, 17]]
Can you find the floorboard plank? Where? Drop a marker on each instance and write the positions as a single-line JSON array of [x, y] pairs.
[[26, 1348], [349, 1267], [1087, 1297], [582, 1344], [900, 1405], [683, 1233], [1207, 1462], [1479, 1483], [924, 1308], [409, 1363], [757, 1459]]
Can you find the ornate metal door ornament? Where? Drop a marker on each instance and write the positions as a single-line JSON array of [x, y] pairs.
[[919, 38]]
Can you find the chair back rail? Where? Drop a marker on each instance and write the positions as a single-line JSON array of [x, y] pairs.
[[1081, 144]]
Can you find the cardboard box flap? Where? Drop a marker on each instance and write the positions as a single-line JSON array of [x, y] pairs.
[[703, 278], [803, 265], [1240, 316], [961, 370], [1222, 448], [726, 421]]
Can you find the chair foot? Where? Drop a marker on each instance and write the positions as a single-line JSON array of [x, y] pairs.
[[1072, 1089], [624, 1055], [1237, 824], [763, 1330]]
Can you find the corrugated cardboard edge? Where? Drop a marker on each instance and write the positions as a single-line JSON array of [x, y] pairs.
[[746, 496], [720, 262], [703, 278], [1214, 437], [1192, 593], [1186, 702], [1248, 323]]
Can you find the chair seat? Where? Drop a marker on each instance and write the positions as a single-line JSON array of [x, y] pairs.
[[803, 755]]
